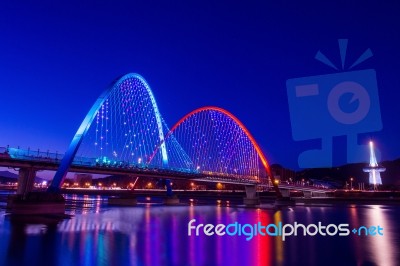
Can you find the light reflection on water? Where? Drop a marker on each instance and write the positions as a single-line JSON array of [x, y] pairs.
[[383, 250], [98, 234]]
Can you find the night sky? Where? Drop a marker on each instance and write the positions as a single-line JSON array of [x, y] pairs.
[[55, 60]]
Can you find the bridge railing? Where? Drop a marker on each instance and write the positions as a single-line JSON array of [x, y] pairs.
[[55, 157], [17, 153], [42, 156]]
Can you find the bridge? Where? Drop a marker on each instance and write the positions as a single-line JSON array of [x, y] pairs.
[[124, 133], [39, 161]]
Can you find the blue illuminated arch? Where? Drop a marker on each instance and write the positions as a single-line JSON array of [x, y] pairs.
[[85, 125]]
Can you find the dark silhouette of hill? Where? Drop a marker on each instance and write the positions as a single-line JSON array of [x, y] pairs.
[[6, 176], [343, 173]]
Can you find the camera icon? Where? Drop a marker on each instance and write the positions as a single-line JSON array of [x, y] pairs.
[[339, 104]]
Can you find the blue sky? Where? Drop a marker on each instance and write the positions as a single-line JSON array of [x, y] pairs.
[[56, 58]]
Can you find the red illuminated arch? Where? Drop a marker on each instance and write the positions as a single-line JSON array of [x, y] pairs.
[[239, 123]]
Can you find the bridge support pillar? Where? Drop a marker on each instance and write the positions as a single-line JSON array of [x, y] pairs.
[[26, 179], [251, 198], [285, 200], [169, 187], [285, 193], [308, 194], [171, 199], [28, 202], [319, 194]]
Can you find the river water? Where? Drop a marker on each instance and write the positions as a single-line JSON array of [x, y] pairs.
[[153, 234]]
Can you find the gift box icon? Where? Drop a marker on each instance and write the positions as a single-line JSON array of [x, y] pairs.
[[338, 104]]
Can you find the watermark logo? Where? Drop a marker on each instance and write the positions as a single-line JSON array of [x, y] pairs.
[[249, 231], [338, 104]]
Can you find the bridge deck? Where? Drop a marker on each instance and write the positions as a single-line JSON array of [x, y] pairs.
[[46, 163]]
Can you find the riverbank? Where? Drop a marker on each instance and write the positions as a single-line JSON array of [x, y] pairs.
[[236, 197]]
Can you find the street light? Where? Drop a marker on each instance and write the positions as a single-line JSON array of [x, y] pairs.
[[351, 183]]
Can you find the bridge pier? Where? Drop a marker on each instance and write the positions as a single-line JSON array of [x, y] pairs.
[[28, 202], [285, 193], [314, 194], [251, 198], [317, 194], [26, 179], [169, 187], [171, 199], [308, 194], [285, 200]]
